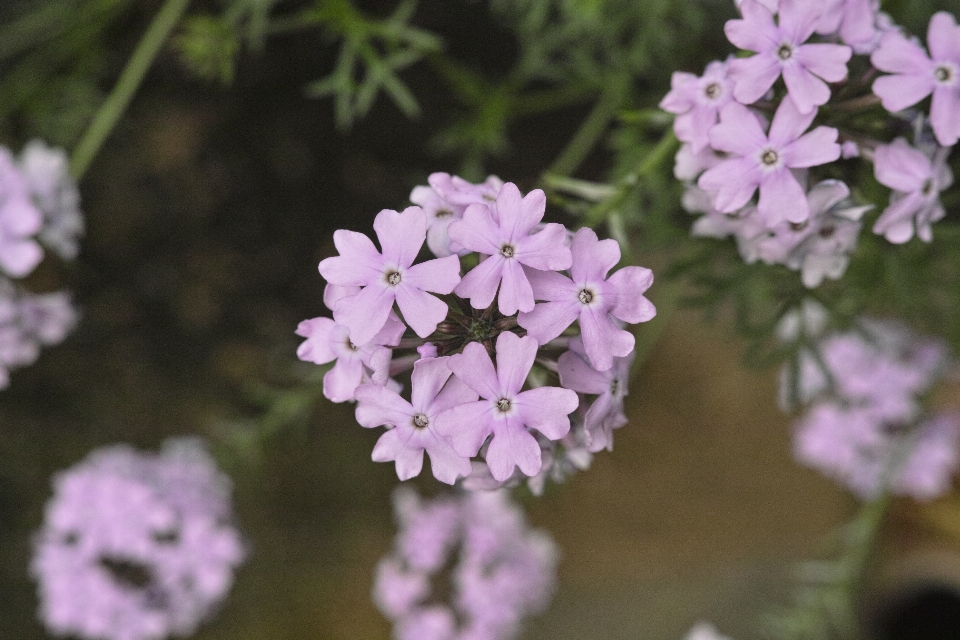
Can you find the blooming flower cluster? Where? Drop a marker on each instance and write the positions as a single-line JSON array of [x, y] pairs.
[[508, 305], [39, 207], [751, 148], [499, 570], [136, 546], [865, 426]]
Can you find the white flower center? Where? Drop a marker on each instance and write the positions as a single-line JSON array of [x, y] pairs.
[[503, 405], [352, 346], [443, 213], [420, 421], [785, 52], [392, 278], [712, 90], [507, 250], [769, 157], [585, 296]]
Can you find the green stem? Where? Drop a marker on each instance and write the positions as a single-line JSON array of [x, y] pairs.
[[119, 99], [591, 130], [628, 183]]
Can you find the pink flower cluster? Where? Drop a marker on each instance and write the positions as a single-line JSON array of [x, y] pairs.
[[509, 305], [499, 570], [751, 145], [865, 426], [136, 546], [39, 205]]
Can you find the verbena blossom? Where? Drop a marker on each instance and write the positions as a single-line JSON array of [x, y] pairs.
[[500, 571], [865, 426], [765, 162], [487, 427], [389, 276], [781, 50], [414, 430], [29, 321], [55, 192], [505, 412], [327, 341], [445, 200], [854, 21], [915, 75], [136, 546], [916, 180], [610, 386], [20, 221], [502, 231], [592, 298], [697, 101]]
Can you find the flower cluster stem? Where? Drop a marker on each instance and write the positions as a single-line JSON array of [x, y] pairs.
[[130, 79]]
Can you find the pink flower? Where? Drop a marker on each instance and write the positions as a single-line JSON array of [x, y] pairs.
[[696, 101], [765, 162], [917, 75], [916, 181], [505, 411], [853, 20], [592, 298], [610, 387], [780, 51], [414, 423], [327, 341], [390, 276], [502, 231], [20, 219]]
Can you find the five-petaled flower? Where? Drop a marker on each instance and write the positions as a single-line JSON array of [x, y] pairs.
[[389, 276], [505, 411]]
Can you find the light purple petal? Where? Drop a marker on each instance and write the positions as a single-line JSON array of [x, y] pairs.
[[365, 313], [806, 90], [446, 463], [440, 275], [378, 406], [782, 198], [316, 348], [515, 291], [734, 181], [592, 258], [455, 392], [401, 234], [477, 231], [738, 132], [550, 285], [828, 61], [945, 115], [901, 167], [898, 92], [546, 409], [390, 446], [896, 221], [943, 37], [752, 77], [427, 380], [340, 382], [628, 285], [515, 356], [357, 265], [422, 311], [603, 340], [332, 293], [518, 215], [798, 18], [576, 374], [511, 446], [475, 368], [545, 250], [467, 426], [756, 31], [789, 124], [898, 54], [812, 149], [480, 284], [549, 319]]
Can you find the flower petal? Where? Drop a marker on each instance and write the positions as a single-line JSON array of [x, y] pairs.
[[479, 285], [515, 356], [512, 445], [390, 446], [782, 198], [546, 249], [898, 92], [592, 258], [812, 149], [515, 291], [549, 319], [440, 275], [576, 374], [628, 285], [422, 311], [602, 339], [365, 313], [378, 406], [474, 367], [477, 230], [546, 409], [467, 426], [401, 234]]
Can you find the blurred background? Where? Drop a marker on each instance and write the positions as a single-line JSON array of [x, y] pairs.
[[207, 212]]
